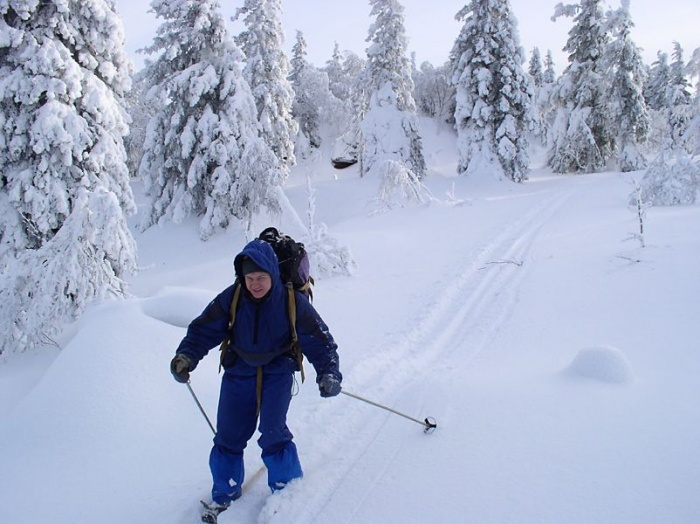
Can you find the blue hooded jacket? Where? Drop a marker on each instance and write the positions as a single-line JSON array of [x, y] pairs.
[[261, 331]]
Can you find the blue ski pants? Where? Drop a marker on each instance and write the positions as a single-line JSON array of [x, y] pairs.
[[235, 425]]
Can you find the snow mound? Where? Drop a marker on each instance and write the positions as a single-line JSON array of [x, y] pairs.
[[603, 363], [176, 306]]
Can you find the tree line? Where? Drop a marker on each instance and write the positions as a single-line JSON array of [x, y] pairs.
[[214, 122]]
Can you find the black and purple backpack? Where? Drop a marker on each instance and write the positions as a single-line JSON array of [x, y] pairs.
[[293, 260]]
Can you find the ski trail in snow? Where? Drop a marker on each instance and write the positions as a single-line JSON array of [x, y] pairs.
[[469, 308], [462, 314]]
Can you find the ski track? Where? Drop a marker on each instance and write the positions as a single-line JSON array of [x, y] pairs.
[[470, 309]]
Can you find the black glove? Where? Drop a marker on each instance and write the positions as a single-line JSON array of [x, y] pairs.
[[180, 367], [328, 385]]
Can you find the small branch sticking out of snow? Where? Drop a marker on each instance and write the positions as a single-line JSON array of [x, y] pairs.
[[630, 259], [514, 262]]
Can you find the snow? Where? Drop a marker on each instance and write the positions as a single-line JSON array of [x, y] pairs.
[[558, 357]]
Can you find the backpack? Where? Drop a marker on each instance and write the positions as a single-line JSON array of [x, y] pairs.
[[294, 268], [293, 260]]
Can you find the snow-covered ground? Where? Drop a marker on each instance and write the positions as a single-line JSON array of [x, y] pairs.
[[559, 358]]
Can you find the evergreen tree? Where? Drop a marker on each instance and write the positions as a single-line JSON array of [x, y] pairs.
[[677, 74], [628, 109], [64, 183], [493, 92], [203, 154], [678, 97], [582, 136], [657, 82], [390, 128], [337, 82], [140, 111], [693, 132], [535, 67], [543, 107], [305, 108], [313, 101], [549, 76], [267, 71], [540, 97], [345, 77], [673, 178]]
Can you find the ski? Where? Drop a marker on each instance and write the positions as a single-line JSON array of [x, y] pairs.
[[211, 510], [210, 513]]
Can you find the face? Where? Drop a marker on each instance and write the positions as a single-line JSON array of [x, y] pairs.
[[258, 283]]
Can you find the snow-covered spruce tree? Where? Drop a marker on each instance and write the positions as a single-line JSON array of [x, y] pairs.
[[540, 100], [140, 111], [543, 109], [672, 178], [334, 69], [549, 76], [305, 108], [390, 128], [657, 81], [63, 175], [203, 154], [678, 97], [582, 136], [534, 67], [266, 70], [345, 76], [346, 73], [494, 93], [314, 104], [628, 108], [693, 131]]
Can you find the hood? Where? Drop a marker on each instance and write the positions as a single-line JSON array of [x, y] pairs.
[[263, 255]]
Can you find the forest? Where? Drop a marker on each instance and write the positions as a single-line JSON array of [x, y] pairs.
[[214, 122]]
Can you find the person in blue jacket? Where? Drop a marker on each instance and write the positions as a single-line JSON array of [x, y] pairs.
[[258, 369]]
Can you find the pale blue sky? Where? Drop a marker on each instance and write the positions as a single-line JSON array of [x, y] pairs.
[[432, 29]]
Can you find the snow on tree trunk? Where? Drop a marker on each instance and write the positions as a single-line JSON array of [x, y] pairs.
[[64, 76]]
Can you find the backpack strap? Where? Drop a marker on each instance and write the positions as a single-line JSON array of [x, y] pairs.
[[258, 389], [232, 318], [292, 308], [306, 288], [292, 311]]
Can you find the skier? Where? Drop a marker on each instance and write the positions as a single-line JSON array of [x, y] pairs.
[[258, 371]]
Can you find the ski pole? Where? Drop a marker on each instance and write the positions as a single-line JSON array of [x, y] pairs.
[[201, 409], [429, 424]]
